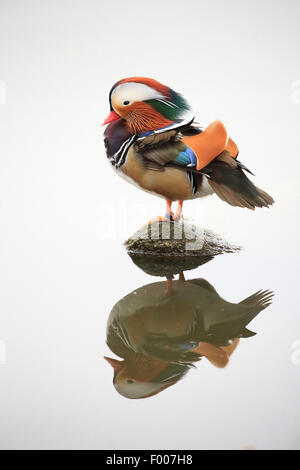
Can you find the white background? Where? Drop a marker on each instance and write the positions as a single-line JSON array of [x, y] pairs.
[[64, 214]]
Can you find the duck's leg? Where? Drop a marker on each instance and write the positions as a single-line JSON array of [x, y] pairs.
[[181, 276], [168, 215], [178, 214]]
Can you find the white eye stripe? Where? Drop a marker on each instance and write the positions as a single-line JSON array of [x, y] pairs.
[[132, 92]]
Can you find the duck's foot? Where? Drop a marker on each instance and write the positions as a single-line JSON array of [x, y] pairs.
[[176, 218], [166, 218], [169, 215]]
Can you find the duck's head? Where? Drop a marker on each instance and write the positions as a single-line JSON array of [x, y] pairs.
[[145, 104], [143, 376]]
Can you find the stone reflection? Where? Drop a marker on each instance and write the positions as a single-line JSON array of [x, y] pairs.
[[161, 330]]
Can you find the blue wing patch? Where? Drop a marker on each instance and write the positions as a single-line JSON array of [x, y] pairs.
[[187, 158]]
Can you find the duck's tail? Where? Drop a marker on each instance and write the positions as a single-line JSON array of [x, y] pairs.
[[258, 301], [242, 314], [255, 304], [228, 180]]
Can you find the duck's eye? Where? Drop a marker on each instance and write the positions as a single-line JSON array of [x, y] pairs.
[[129, 381], [125, 103]]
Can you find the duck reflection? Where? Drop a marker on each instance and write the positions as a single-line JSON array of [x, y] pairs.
[[162, 329]]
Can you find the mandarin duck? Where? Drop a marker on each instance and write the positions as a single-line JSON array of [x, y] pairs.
[[152, 141], [161, 334]]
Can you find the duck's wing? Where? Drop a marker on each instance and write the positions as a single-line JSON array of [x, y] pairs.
[[167, 148], [186, 147], [175, 350], [158, 150]]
